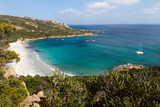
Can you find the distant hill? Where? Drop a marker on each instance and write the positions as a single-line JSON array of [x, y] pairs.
[[33, 28]]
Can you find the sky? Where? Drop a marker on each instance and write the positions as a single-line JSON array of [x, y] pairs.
[[86, 12]]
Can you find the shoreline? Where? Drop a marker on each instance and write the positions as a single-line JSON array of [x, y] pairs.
[[29, 58], [68, 36], [30, 62]]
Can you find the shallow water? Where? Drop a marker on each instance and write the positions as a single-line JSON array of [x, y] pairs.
[[114, 45]]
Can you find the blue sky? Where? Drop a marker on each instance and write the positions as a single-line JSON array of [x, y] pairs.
[[86, 11]]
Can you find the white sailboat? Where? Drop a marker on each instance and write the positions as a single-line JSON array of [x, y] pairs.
[[140, 52]]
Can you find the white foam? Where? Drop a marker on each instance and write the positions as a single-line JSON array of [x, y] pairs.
[[50, 67]]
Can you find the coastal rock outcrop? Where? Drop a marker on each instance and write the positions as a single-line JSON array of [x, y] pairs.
[[91, 40], [41, 94], [127, 67], [30, 101], [24, 84], [33, 100], [56, 22], [9, 72]]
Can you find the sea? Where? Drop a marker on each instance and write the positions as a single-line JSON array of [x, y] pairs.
[[113, 45]]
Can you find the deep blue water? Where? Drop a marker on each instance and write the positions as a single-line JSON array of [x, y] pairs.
[[114, 45]]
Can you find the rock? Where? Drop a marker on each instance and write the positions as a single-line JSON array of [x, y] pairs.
[[9, 72], [35, 105], [34, 98], [41, 94], [90, 40], [24, 84], [30, 101], [62, 24], [127, 67], [19, 27]]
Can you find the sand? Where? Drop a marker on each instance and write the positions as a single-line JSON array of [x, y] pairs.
[[30, 63]]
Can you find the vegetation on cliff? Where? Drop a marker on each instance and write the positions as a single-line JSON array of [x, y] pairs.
[[12, 92], [6, 56], [134, 88], [34, 28]]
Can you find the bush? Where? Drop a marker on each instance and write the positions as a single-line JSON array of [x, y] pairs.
[[36, 83], [12, 92], [126, 88], [67, 93], [12, 55]]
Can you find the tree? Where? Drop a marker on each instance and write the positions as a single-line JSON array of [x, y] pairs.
[[5, 32]]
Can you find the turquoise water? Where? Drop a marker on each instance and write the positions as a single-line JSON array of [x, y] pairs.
[[114, 45]]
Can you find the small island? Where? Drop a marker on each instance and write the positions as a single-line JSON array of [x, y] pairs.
[[127, 67], [91, 40]]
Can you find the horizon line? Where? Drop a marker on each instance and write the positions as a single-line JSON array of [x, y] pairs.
[[90, 24]]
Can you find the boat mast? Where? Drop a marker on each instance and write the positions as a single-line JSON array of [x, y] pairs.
[[140, 48]]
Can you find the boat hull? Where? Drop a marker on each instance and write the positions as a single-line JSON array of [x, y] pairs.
[[139, 52]]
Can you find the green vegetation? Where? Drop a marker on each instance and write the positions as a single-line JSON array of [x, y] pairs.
[[34, 28], [12, 92], [134, 88], [6, 56]]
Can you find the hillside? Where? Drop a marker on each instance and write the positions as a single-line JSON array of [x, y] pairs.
[[33, 28]]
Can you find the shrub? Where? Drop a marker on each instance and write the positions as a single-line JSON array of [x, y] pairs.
[[12, 92]]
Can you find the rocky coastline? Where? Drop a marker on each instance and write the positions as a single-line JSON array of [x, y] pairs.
[[127, 67], [86, 34]]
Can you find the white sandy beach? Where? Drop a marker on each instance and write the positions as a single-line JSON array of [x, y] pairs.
[[30, 64]]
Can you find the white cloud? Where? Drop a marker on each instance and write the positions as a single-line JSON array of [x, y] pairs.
[[93, 8], [96, 8], [95, 11], [123, 2], [99, 5], [69, 11], [154, 10]]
